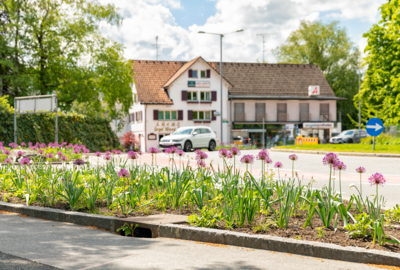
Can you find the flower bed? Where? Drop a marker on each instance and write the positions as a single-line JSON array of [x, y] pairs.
[[217, 198]]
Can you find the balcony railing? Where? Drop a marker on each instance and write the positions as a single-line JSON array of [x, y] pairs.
[[324, 117], [240, 117], [260, 117], [282, 117], [304, 117]]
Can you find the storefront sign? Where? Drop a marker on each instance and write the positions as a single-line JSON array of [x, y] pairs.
[[152, 137], [163, 126], [313, 90], [318, 125], [199, 84]]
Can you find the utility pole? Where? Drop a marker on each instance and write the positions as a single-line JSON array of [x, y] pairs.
[[263, 36]]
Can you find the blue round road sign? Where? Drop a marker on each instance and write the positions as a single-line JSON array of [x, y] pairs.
[[374, 127]]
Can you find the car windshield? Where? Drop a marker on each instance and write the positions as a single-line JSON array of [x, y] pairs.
[[346, 133], [183, 131]]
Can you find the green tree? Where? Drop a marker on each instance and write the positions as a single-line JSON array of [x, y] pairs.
[[380, 90], [63, 52], [329, 47]]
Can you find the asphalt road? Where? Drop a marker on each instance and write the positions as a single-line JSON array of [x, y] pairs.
[[26, 243]]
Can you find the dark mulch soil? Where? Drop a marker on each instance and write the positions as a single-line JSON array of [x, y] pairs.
[[295, 229]]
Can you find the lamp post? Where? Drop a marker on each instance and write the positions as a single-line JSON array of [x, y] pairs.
[[359, 102], [220, 66]]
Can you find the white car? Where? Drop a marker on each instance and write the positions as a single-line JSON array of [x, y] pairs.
[[189, 138]]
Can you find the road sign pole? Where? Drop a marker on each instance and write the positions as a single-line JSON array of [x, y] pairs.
[[373, 144]]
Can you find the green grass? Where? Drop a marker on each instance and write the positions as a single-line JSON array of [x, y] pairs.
[[363, 148]]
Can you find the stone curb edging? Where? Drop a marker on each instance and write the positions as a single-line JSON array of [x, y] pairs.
[[280, 244], [356, 154], [266, 242]]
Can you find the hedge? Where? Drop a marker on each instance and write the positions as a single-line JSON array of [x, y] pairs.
[[94, 132]]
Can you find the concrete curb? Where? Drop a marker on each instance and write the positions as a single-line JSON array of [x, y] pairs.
[[355, 154], [266, 242], [280, 244]]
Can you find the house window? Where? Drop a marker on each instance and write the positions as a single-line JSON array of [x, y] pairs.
[[192, 95], [205, 96], [139, 116], [193, 73], [205, 73], [202, 115], [167, 115]]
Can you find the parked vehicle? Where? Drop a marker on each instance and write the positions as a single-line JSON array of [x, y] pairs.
[[189, 138], [349, 136]]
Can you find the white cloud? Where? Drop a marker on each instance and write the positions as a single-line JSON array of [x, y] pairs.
[[146, 19]]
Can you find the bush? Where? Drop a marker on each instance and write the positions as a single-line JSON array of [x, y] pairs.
[[94, 132], [382, 139]]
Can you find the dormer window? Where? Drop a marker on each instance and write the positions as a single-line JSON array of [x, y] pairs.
[[193, 73]]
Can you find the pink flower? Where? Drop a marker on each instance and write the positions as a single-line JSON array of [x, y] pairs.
[[132, 155], [339, 166], [25, 161], [79, 162], [201, 155], [377, 179], [247, 159], [201, 163], [293, 157], [223, 153], [86, 151], [153, 150], [123, 173], [60, 154], [361, 170], [40, 151], [97, 154], [278, 165], [235, 151], [139, 153], [107, 157], [6, 152], [330, 159], [50, 155], [262, 155], [180, 153], [20, 154], [63, 158], [268, 160], [7, 161]]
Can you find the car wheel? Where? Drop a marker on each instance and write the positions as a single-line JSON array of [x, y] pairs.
[[188, 146], [350, 141], [211, 146]]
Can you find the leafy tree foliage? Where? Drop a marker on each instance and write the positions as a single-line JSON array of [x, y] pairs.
[[329, 47], [55, 46], [380, 90]]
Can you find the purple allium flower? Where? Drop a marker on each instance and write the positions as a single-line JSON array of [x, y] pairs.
[[132, 155], [247, 159], [79, 162], [377, 179], [97, 154], [20, 154], [63, 144], [229, 155], [86, 151], [82, 146], [173, 149], [293, 157], [330, 159], [223, 153], [339, 166], [268, 160], [51, 144], [278, 165], [361, 170], [25, 161], [7, 161], [49, 155], [262, 155], [235, 151], [11, 145], [6, 152], [30, 144], [180, 153], [118, 152], [201, 155], [123, 173], [42, 145], [40, 151], [153, 150], [2, 148], [107, 153], [113, 151], [107, 157], [201, 163], [23, 144], [167, 151], [1, 143], [60, 154], [63, 158], [139, 153], [76, 151]]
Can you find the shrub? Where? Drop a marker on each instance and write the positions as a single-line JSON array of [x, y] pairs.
[[129, 139]]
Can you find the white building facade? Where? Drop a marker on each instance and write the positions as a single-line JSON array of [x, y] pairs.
[[168, 95]]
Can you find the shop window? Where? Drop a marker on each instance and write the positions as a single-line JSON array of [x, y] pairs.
[[205, 73], [205, 96], [202, 115], [193, 73], [192, 96], [167, 115]]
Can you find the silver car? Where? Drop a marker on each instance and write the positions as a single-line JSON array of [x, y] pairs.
[[349, 136]]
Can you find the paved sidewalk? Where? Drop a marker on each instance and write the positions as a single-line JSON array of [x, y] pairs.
[[68, 246]]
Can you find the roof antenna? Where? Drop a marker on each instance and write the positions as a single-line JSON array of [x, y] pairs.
[[157, 45], [263, 36]]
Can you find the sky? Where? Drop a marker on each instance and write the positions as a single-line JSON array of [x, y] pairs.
[[177, 22]]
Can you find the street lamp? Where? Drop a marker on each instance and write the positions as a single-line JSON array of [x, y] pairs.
[[220, 64]]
